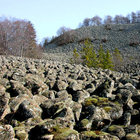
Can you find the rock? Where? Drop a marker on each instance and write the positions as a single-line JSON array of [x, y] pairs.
[[17, 88], [77, 108], [80, 96], [85, 135], [65, 133], [21, 135], [131, 129], [2, 90], [4, 107], [50, 94], [16, 101], [34, 83], [60, 85], [127, 118], [123, 95], [132, 136], [57, 131], [117, 131], [7, 132], [28, 109], [39, 99], [75, 86], [47, 137], [105, 89], [84, 125]]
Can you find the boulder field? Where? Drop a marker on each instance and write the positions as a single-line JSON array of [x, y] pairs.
[[50, 100]]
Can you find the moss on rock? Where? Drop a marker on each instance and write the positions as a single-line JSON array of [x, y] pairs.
[[63, 133]]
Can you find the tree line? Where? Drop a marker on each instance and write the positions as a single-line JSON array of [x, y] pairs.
[[133, 17], [18, 38]]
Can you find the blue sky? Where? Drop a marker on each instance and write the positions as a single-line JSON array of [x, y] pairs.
[[48, 16]]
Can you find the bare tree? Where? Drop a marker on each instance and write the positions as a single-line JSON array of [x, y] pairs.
[[18, 37], [86, 22], [96, 20], [138, 16], [119, 19], [62, 30], [108, 20], [133, 17]]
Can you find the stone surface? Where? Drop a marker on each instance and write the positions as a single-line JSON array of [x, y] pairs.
[[49, 100]]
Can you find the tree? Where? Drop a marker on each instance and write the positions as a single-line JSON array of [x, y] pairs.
[[18, 37], [94, 59], [3, 48], [108, 20], [133, 17], [108, 62], [138, 16], [101, 57], [96, 20], [76, 57], [117, 59], [86, 22], [119, 19], [89, 55], [62, 30]]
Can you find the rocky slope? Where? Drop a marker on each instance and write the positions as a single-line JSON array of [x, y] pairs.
[[45, 100], [114, 36]]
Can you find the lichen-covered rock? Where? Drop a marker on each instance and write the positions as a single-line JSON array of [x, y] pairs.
[[18, 88], [28, 109], [7, 132], [21, 134], [77, 108], [16, 101], [60, 85], [105, 89], [4, 107], [87, 135], [42, 99], [116, 130], [132, 136]]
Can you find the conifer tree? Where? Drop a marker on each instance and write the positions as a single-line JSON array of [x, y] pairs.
[[108, 63], [117, 59], [89, 55], [101, 57], [76, 57]]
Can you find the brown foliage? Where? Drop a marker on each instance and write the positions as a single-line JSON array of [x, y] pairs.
[[17, 37], [65, 38]]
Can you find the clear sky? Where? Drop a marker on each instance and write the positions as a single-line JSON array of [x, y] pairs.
[[48, 16]]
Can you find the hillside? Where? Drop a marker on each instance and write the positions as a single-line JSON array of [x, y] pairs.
[[124, 37], [47, 100]]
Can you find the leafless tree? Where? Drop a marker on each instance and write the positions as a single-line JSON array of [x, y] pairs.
[[138, 16], [62, 30], [108, 20], [86, 22], [96, 20], [18, 37], [133, 17]]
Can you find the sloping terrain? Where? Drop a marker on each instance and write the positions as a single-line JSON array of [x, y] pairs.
[[124, 37], [46, 100]]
